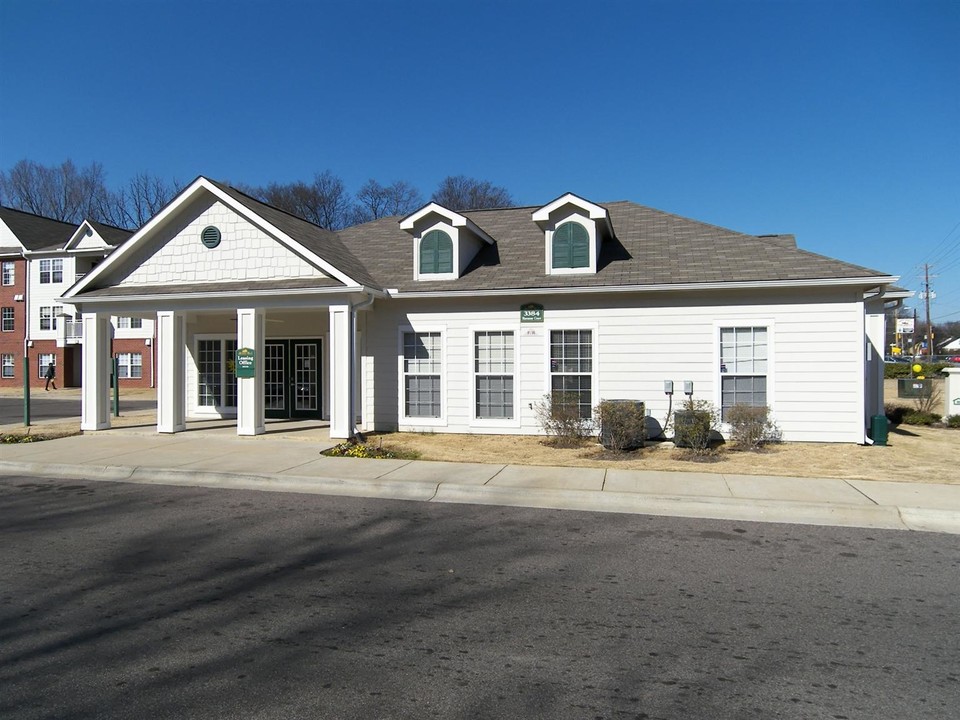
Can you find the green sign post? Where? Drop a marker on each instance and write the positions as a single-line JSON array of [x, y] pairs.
[[246, 367], [531, 313]]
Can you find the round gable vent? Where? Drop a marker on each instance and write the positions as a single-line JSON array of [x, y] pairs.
[[210, 237]]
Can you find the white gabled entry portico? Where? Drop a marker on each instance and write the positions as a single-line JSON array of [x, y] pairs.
[[223, 273]]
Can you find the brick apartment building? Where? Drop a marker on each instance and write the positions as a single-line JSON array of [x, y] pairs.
[[40, 259]]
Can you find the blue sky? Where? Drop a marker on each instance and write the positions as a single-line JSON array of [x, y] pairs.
[[838, 121]]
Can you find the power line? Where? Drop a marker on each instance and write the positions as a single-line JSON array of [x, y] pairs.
[[936, 247]]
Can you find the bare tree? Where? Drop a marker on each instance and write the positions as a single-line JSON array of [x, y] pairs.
[[61, 192], [142, 198], [458, 192], [324, 202], [376, 201]]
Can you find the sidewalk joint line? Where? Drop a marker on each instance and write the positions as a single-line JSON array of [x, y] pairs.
[[502, 468], [847, 483]]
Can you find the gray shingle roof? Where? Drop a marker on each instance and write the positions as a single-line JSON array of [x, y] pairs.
[[651, 247], [35, 232]]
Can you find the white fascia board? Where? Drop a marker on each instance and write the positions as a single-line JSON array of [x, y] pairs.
[[143, 235], [664, 287], [454, 218], [219, 295], [79, 235], [593, 211]]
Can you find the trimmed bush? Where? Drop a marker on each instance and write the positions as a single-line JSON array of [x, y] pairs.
[[952, 421], [622, 424], [694, 425], [892, 371], [916, 417], [752, 427], [558, 415], [894, 414]]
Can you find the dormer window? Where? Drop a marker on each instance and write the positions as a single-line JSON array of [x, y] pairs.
[[573, 230], [436, 253], [571, 246]]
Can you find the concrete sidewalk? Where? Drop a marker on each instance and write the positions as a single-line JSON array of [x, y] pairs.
[[215, 457]]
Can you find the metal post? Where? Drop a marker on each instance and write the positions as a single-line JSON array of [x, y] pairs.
[[26, 391], [116, 387]]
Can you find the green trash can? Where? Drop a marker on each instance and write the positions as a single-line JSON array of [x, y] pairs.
[[878, 429]]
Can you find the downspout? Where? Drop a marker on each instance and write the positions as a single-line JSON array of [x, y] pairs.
[[352, 370]]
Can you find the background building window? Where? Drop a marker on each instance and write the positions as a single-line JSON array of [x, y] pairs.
[[48, 316], [422, 367], [51, 271], [571, 368], [6, 324], [127, 323], [129, 365], [743, 367], [8, 273], [6, 366], [571, 246], [493, 365], [44, 361], [436, 253]]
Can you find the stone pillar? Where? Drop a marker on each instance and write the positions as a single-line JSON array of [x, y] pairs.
[[250, 410], [171, 348], [341, 372], [951, 392], [95, 404]]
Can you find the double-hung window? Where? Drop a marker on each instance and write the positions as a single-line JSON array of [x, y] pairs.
[[571, 369], [51, 271], [127, 323], [6, 361], [493, 368], [8, 272], [422, 373], [48, 316], [7, 322], [44, 361], [129, 365], [743, 367]]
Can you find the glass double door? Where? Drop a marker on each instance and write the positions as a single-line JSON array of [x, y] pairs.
[[292, 379]]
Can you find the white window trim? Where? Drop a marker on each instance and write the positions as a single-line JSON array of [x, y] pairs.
[[412, 424], [454, 234], [768, 323], [13, 318], [13, 273], [41, 372], [591, 228], [573, 324], [192, 391], [12, 366], [51, 271], [129, 365], [515, 421]]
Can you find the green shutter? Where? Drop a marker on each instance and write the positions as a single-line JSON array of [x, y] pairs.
[[436, 253], [571, 246]]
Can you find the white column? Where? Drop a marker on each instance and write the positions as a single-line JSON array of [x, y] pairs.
[[250, 411], [95, 404], [341, 372], [171, 347], [876, 330]]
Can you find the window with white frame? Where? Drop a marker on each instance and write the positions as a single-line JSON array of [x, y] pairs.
[[8, 273], [7, 323], [571, 369], [129, 365], [51, 271], [743, 367], [436, 253], [493, 368], [44, 361], [6, 365], [48, 316], [128, 323], [216, 373], [422, 369]]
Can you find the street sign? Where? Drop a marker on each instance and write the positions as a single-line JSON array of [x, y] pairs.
[[905, 326]]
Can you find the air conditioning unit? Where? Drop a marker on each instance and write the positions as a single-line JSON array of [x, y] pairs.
[[18, 297]]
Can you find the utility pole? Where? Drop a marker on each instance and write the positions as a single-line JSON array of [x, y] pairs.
[[926, 297]]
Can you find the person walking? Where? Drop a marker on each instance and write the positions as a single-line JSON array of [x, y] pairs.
[[51, 375]]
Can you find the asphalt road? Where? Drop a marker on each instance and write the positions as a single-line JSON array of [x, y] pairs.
[[47, 406], [135, 601]]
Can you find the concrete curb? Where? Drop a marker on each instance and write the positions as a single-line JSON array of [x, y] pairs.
[[741, 509]]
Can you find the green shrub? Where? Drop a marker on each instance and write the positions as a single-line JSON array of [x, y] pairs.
[[752, 427], [916, 417], [695, 424], [622, 424], [558, 414], [952, 421], [892, 371]]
